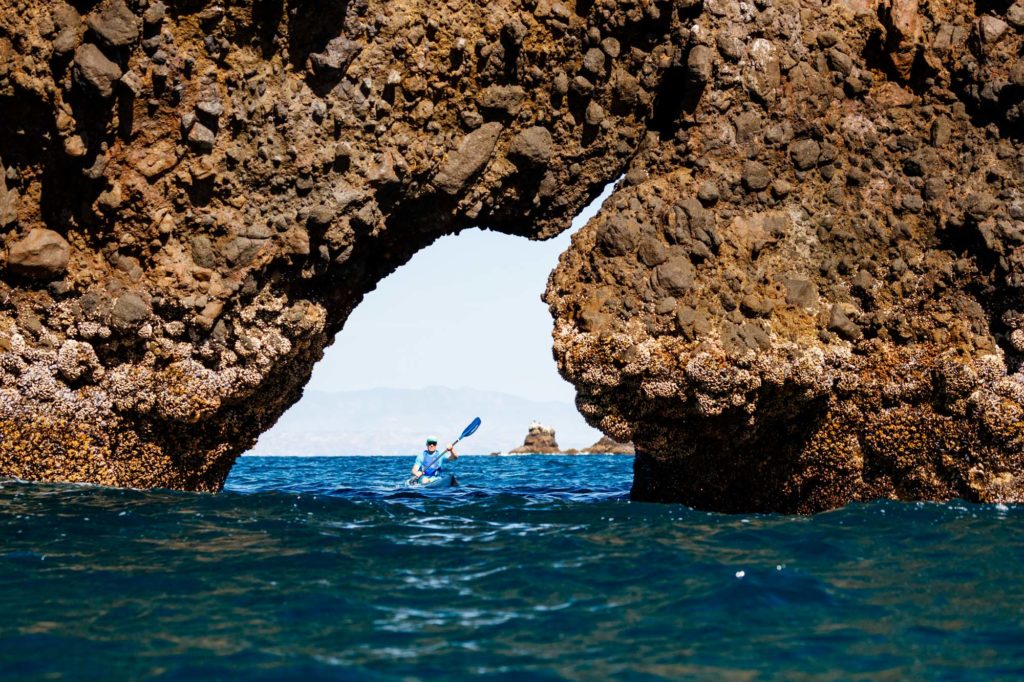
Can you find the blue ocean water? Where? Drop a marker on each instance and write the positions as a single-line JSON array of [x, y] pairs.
[[534, 568]]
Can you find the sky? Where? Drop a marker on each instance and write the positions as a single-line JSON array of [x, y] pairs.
[[464, 312]]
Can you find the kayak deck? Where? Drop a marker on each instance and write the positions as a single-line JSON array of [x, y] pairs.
[[439, 481]]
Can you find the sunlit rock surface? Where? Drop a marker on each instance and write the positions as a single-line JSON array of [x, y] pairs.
[[803, 292], [807, 290], [195, 195]]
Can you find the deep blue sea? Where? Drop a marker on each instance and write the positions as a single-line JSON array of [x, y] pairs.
[[534, 568]]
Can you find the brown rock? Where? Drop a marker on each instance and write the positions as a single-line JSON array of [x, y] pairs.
[[756, 176], [674, 277], [472, 154], [155, 13], [94, 72], [504, 98], [9, 202], [336, 57], [114, 23], [800, 292], [201, 138], [69, 26], [540, 440], [42, 254], [130, 310], [533, 145], [1015, 15], [911, 173], [902, 19], [607, 446], [991, 29]]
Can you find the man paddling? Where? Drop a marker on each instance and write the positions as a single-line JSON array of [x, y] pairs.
[[429, 463]]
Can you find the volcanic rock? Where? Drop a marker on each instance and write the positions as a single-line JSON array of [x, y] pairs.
[[540, 440], [805, 290], [114, 23], [533, 145], [607, 446], [69, 26], [42, 254], [129, 310], [837, 345], [259, 172], [9, 202], [1015, 15], [468, 159], [94, 72], [336, 57]]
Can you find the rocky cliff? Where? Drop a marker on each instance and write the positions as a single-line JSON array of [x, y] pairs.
[[196, 195], [804, 291], [807, 290]]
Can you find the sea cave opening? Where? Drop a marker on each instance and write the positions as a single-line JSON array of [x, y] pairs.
[[457, 332]]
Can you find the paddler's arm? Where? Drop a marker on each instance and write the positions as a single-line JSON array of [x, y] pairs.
[[416, 470], [451, 449]]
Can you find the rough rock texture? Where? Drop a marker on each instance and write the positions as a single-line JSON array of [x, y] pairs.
[[607, 446], [540, 440], [195, 195], [807, 290], [804, 291]]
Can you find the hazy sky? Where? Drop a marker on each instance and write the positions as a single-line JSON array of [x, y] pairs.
[[465, 311]]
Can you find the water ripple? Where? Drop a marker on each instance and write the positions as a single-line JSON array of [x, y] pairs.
[[329, 568]]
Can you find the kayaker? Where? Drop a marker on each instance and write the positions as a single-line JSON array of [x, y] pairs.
[[429, 463]]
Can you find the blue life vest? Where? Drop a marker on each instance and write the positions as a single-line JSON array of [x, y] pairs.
[[432, 463]]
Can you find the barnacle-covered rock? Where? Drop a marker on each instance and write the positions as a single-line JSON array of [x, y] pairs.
[[194, 196], [804, 291], [809, 292]]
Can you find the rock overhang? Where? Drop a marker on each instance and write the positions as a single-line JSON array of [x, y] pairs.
[[814, 298], [196, 197], [803, 292]]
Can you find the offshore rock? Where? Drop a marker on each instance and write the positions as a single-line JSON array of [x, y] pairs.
[[807, 291], [607, 446], [540, 440]]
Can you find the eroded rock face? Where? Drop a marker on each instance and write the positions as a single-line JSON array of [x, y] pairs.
[[807, 290], [194, 196]]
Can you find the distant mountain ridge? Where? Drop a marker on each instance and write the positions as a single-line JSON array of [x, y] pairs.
[[390, 421]]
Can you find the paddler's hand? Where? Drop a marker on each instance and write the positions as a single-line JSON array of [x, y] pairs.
[[451, 449]]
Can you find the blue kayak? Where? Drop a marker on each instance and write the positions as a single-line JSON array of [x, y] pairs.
[[439, 481]]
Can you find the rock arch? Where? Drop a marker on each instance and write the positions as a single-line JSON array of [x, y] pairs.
[[810, 265]]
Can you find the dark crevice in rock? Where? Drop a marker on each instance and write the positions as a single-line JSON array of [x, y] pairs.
[[676, 99]]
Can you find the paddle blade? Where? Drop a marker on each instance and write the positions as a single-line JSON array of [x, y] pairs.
[[471, 429]]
